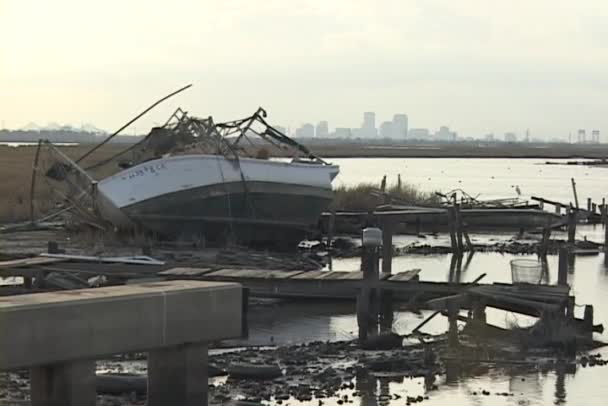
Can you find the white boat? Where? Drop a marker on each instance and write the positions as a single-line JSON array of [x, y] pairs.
[[186, 194]]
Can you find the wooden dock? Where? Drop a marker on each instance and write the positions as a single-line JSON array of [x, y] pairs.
[[437, 218], [529, 300]]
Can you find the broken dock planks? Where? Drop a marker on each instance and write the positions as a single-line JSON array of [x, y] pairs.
[[27, 262]]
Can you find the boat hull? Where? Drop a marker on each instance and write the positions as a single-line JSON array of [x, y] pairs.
[[249, 200]]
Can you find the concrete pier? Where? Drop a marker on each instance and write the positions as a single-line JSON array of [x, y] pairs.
[[59, 335]]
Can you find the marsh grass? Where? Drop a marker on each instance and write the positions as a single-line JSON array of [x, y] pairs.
[[364, 196], [16, 175]]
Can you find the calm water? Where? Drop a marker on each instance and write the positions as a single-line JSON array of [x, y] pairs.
[[300, 322], [488, 178]]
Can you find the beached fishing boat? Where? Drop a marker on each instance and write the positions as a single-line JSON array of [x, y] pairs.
[[196, 177], [187, 194]]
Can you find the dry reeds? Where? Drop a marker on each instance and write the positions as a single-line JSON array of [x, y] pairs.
[[16, 174], [365, 196]]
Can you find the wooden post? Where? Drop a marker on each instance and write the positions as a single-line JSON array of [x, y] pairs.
[[458, 225], [558, 208], [574, 191], [588, 319], [562, 270], [363, 314], [453, 325], [452, 229], [570, 308], [571, 226], [458, 273], [386, 311], [367, 300], [605, 221], [479, 313], [33, 182], [330, 237], [546, 238], [387, 246]]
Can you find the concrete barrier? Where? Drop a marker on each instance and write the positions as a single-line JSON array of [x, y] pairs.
[[59, 336]]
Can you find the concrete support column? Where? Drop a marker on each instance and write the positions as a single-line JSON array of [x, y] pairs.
[[65, 384], [178, 376]]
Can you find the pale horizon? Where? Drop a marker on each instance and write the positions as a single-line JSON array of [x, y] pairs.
[[475, 66]]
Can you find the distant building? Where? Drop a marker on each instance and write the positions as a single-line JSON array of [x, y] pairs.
[[322, 130], [582, 136], [342, 132], [386, 130], [419, 133], [306, 131], [595, 136], [368, 128], [399, 126], [489, 137], [444, 134], [510, 137]]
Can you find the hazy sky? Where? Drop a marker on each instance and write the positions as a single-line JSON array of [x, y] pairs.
[[477, 66]]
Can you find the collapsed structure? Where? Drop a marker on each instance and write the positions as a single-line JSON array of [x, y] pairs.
[[193, 176]]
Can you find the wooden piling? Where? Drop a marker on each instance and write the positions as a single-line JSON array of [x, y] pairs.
[[33, 182], [558, 209], [562, 270], [367, 300], [570, 308], [458, 225], [575, 194], [330, 237], [387, 246], [605, 221], [386, 311], [588, 319], [452, 229], [479, 313], [571, 226], [453, 323]]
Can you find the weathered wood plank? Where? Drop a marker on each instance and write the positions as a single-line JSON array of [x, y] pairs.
[[342, 275], [309, 275], [25, 262], [189, 272], [405, 276]]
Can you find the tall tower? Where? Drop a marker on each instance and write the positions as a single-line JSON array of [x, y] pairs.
[[400, 126], [582, 136], [368, 128]]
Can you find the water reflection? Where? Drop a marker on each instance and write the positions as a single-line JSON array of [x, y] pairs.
[[461, 384]]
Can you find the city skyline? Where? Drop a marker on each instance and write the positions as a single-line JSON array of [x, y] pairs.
[[396, 129]]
